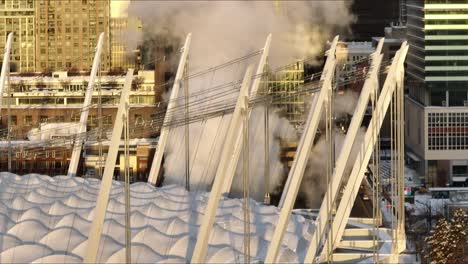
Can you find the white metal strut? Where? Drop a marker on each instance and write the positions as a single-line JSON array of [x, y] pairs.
[[232, 165], [75, 158], [157, 160], [370, 86], [5, 68], [236, 125], [302, 155], [95, 231], [392, 82]]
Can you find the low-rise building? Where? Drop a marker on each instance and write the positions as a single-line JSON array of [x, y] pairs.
[[35, 102]]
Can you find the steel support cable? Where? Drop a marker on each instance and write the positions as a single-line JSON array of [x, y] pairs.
[[246, 183], [304, 91], [218, 111], [374, 183], [338, 197], [329, 166], [207, 71], [182, 98], [223, 110], [203, 129], [214, 69], [99, 114], [392, 171]]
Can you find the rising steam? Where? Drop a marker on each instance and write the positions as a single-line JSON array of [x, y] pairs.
[[223, 30]]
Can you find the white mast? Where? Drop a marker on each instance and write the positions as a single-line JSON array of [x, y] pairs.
[[232, 165], [95, 231], [370, 87], [157, 160], [303, 152], [393, 80], [5, 68], [75, 158], [236, 125]]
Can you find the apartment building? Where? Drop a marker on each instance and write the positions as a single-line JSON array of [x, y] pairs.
[[67, 32], [17, 16], [436, 126], [122, 31]]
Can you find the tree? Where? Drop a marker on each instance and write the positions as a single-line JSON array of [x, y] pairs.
[[446, 242]]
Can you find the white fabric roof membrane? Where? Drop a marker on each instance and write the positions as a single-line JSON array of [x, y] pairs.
[[47, 219]]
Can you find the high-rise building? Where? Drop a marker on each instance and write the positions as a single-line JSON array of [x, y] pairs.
[[17, 16], [124, 29], [437, 78], [67, 33]]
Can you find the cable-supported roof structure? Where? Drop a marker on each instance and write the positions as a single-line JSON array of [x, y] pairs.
[[210, 122]]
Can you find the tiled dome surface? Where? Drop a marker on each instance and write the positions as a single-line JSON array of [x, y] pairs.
[[47, 220]]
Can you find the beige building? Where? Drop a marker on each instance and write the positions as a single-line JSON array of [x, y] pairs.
[[18, 16], [122, 55], [67, 33]]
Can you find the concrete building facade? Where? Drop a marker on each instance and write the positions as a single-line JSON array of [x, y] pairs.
[[67, 33], [436, 127], [17, 16], [121, 28]]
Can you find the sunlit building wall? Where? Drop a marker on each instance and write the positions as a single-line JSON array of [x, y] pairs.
[[17, 16], [67, 33], [437, 81]]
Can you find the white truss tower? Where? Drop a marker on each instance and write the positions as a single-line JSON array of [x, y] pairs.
[[370, 87], [236, 125], [302, 155], [75, 158], [5, 68], [95, 231], [157, 160], [393, 81]]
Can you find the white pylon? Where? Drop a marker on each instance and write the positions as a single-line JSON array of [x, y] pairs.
[[5, 68], [76, 153], [236, 125], [157, 160], [370, 86], [302, 155], [95, 231], [341, 218], [231, 171]]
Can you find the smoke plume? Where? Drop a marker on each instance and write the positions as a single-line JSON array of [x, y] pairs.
[[222, 31], [315, 182]]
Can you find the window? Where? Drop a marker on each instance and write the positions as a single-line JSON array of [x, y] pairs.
[[460, 170], [447, 131], [27, 120], [107, 120], [14, 120], [138, 119], [43, 119], [75, 118]]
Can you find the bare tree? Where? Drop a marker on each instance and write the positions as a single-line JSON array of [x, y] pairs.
[[447, 241]]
